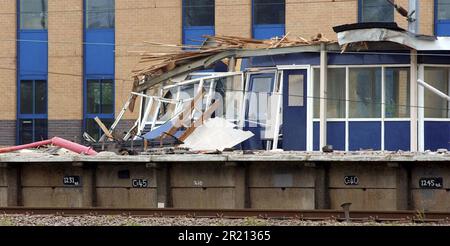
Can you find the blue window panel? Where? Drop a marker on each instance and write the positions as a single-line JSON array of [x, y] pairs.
[[397, 135], [33, 52], [99, 51], [194, 35], [437, 135], [316, 136], [364, 135], [335, 135], [268, 31], [442, 17]]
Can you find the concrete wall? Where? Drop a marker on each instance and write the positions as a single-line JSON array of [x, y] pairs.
[[260, 185]]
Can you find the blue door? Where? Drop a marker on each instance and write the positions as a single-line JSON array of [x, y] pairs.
[[294, 110], [260, 88]]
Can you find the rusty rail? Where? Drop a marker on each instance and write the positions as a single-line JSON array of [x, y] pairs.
[[339, 215]]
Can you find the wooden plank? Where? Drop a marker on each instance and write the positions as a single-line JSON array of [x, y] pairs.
[[103, 127]]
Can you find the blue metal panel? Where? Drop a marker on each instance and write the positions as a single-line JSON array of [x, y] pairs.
[[194, 35], [268, 31], [441, 27], [310, 58], [397, 135], [33, 52], [364, 135], [316, 135], [437, 135], [336, 135], [294, 117], [99, 51]]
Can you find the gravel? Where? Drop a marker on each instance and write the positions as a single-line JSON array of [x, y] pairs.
[[52, 220]]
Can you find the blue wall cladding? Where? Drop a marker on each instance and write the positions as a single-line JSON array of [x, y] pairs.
[[268, 31], [437, 135], [397, 135], [335, 135], [99, 51], [194, 35], [33, 53], [364, 135]]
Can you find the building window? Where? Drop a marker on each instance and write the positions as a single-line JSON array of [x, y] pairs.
[[33, 14], [99, 103], [443, 10], [364, 92], [100, 14], [198, 13], [336, 93], [442, 17], [32, 122], [435, 106], [376, 11], [269, 12], [397, 91]]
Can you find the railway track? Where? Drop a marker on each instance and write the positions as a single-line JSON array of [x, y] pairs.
[[311, 215]]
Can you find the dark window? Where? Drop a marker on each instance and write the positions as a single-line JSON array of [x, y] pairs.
[[269, 12], [100, 96], [443, 9], [198, 12], [93, 129], [376, 11], [33, 14], [100, 14], [33, 97], [32, 130]]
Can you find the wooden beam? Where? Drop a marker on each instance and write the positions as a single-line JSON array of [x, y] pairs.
[[103, 127]]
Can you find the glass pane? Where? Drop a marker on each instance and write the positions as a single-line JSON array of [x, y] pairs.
[[92, 128], [40, 130], [435, 106], [25, 131], [336, 93], [397, 92], [268, 12], [443, 9], [93, 97], [107, 103], [40, 98], [26, 96], [33, 14], [228, 91], [295, 86], [365, 93], [100, 14], [259, 99], [198, 12], [376, 11]]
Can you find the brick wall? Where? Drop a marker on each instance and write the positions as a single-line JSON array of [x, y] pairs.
[[65, 51], [7, 132], [8, 61], [67, 129], [233, 17]]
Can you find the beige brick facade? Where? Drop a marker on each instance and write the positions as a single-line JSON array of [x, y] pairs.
[[233, 17], [8, 61], [65, 60]]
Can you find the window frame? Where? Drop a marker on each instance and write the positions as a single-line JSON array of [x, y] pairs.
[[186, 29], [256, 26], [438, 22], [19, 20], [85, 18], [30, 116], [360, 12]]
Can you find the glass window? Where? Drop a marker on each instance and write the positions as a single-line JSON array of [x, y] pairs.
[[100, 14], [198, 12], [295, 86], [100, 96], [33, 14], [365, 93], [261, 87], [397, 92], [267, 12], [26, 97], [443, 9], [376, 11], [336, 93], [33, 97], [435, 106]]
